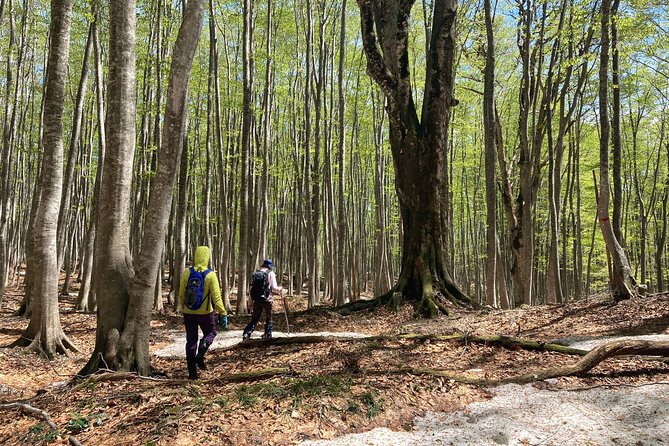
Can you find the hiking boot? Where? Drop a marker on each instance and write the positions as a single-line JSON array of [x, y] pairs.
[[248, 330], [268, 331], [201, 351], [192, 368]]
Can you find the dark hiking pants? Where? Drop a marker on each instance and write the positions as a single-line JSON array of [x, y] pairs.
[[205, 322]]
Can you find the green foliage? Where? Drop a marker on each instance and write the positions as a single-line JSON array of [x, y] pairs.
[[41, 433], [245, 396], [297, 389], [373, 403], [77, 423], [644, 52], [353, 407]]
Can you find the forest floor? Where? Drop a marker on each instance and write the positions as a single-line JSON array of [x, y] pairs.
[[308, 390]]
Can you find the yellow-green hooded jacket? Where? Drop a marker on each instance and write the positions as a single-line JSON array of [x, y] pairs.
[[212, 290]]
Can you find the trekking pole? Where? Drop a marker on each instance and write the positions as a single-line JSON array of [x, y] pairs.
[[285, 310]]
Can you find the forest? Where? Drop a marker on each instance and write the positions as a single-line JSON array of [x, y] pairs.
[[442, 154]]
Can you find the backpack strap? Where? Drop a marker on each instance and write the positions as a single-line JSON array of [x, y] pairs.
[[204, 279]]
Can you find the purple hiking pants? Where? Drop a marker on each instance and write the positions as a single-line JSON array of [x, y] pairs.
[[206, 322]]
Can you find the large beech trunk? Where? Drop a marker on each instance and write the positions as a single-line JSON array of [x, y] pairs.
[[112, 267], [123, 327], [133, 353], [44, 333], [418, 145]]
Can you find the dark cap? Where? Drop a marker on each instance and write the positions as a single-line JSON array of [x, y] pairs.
[[268, 263]]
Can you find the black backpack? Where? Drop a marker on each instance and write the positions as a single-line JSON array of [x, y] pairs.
[[260, 285]]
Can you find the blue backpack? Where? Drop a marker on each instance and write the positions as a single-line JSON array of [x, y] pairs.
[[195, 289]]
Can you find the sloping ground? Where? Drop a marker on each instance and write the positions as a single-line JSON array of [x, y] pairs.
[[526, 415], [314, 390]]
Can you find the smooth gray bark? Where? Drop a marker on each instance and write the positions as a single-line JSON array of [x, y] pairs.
[[44, 333]]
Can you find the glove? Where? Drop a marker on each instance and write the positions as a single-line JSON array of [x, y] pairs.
[[223, 322]]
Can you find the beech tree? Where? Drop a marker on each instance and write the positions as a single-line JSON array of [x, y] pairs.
[[113, 271], [122, 340], [490, 153], [621, 275], [418, 144], [44, 333]]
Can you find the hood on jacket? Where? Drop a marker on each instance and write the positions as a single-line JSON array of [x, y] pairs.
[[201, 257]]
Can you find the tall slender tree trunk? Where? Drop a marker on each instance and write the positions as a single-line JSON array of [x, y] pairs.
[[223, 180], [621, 273], [77, 120], [616, 132], [490, 165], [383, 281], [661, 232], [5, 161], [244, 251], [44, 333], [339, 292], [180, 224], [522, 233]]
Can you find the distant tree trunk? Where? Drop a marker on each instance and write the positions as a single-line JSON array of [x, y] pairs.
[[522, 229], [310, 177], [44, 333], [418, 146], [621, 273], [641, 195], [87, 301], [340, 281], [383, 281], [490, 165], [244, 246], [224, 212], [661, 233], [77, 120], [267, 102], [616, 136], [5, 161], [180, 224]]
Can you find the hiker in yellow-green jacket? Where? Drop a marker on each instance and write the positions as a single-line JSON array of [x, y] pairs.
[[199, 295]]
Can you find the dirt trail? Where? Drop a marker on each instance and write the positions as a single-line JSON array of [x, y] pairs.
[[526, 415]]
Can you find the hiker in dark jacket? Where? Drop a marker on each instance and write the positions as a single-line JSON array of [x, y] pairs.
[[201, 315], [263, 285]]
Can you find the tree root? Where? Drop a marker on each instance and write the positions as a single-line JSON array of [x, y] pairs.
[[254, 375], [32, 411]]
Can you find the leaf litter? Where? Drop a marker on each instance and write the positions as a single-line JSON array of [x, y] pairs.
[[333, 390]]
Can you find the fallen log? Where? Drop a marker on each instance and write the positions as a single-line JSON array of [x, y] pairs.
[[596, 356], [584, 365], [501, 340]]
